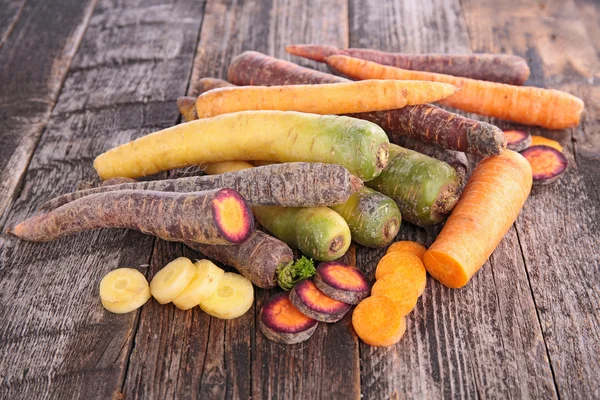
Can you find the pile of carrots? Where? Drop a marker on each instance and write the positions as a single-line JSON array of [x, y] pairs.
[[317, 161]]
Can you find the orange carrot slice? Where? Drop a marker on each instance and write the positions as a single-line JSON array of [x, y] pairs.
[[406, 264], [400, 290], [378, 321], [408, 246]]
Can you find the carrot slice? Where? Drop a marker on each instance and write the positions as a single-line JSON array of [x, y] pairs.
[[400, 290], [540, 140], [406, 264], [408, 246], [517, 140], [378, 321], [547, 163]]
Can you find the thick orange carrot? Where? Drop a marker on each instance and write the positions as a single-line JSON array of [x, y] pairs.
[[424, 122], [378, 321], [504, 68], [490, 203], [548, 108], [333, 98]]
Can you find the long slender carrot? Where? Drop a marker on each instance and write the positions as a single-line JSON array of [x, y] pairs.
[[547, 108], [503, 68], [489, 205], [424, 122], [219, 216], [334, 98]]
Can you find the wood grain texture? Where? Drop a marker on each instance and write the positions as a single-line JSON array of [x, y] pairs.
[[10, 11], [480, 341], [558, 229], [56, 339], [590, 15], [43, 39]]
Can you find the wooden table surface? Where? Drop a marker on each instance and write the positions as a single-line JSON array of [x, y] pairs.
[[78, 77]]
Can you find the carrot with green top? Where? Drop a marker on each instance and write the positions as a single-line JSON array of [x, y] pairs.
[[213, 217], [503, 68], [284, 136], [334, 98], [490, 204], [424, 122], [548, 108], [258, 258]]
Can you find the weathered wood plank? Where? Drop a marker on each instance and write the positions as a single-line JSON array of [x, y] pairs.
[[590, 15], [56, 340], [10, 11], [480, 341], [232, 359], [557, 229], [44, 38]]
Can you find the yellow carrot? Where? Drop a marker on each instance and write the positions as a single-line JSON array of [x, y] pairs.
[[334, 98], [548, 108], [489, 205]]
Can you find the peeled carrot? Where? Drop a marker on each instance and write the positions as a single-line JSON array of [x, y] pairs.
[[407, 246], [548, 108], [378, 321], [333, 98], [407, 265], [504, 68], [540, 140], [489, 205], [424, 122]]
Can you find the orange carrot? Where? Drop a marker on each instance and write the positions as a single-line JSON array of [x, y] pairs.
[[548, 108], [407, 246], [333, 98], [490, 203], [401, 291], [378, 321], [542, 141], [407, 265], [505, 68]]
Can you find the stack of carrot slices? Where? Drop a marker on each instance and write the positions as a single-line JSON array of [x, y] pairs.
[[327, 297], [545, 155], [400, 280]]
